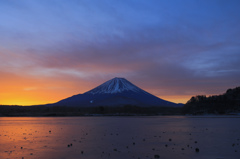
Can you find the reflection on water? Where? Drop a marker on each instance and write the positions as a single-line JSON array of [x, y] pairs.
[[119, 137]]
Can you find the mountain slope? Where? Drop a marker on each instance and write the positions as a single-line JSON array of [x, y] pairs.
[[115, 92]]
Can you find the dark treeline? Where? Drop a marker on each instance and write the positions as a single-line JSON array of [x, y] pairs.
[[226, 103], [127, 110]]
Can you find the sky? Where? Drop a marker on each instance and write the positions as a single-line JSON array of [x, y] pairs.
[[174, 49]]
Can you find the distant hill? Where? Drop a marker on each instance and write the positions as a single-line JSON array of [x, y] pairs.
[[227, 103], [114, 93]]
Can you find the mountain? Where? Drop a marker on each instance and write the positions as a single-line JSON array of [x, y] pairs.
[[115, 92]]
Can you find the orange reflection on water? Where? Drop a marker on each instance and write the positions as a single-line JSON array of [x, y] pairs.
[[28, 137]]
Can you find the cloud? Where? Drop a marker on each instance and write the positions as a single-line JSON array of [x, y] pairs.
[[166, 47]]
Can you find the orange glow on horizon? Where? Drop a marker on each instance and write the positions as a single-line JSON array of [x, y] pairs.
[[177, 99], [23, 90], [27, 99], [18, 90], [36, 97]]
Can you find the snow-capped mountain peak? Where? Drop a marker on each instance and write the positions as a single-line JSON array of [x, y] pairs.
[[115, 92], [115, 85]]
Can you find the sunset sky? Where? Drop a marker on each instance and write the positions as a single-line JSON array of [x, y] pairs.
[[174, 49]]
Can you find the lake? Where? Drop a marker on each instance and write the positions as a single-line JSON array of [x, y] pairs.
[[120, 137]]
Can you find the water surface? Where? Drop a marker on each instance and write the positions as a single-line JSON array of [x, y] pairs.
[[119, 137]]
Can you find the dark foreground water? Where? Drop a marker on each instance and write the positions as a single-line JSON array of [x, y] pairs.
[[119, 137]]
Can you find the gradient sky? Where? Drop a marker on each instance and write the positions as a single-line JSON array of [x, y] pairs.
[[53, 49]]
